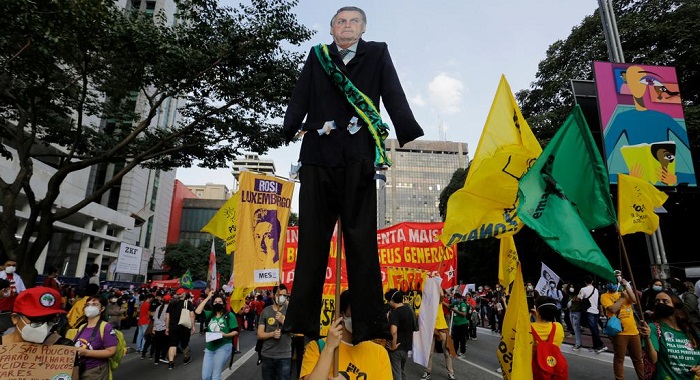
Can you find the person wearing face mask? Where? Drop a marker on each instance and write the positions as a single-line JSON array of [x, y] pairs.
[[366, 358], [575, 312], [179, 335], [8, 295], [35, 317], [276, 350], [221, 321], [557, 295], [114, 311], [160, 340], [618, 300], [648, 298], [94, 347], [671, 342]]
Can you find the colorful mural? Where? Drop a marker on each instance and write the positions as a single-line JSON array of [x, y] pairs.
[[644, 131]]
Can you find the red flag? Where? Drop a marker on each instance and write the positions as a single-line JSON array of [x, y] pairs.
[[211, 273]]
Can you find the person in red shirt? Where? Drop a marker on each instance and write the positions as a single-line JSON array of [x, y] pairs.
[[143, 321], [50, 280]]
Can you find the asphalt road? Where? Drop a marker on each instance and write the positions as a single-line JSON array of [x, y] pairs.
[[480, 363]]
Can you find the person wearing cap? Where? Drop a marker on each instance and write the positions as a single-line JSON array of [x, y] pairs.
[[35, 316], [179, 335]]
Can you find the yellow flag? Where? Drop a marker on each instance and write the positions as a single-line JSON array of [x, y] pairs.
[[485, 206], [507, 263], [636, 200], [223, 223], [515, 348], [264, 208], [237, 298]]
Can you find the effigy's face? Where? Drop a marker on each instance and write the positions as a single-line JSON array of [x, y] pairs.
[[348, 26]]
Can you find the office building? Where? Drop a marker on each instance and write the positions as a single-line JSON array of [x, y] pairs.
[[420, 171]]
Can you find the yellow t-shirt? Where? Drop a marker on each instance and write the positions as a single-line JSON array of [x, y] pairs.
[[440, 322], [544, 328], [626, 315], [366, 360]]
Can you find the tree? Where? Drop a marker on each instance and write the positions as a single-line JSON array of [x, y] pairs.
[[179, 257], [83, 82], [653, 32]]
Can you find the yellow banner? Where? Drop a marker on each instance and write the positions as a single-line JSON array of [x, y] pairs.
[[507, 263], [410, 282], [223, 223], [485, 206], [515, 348], [636, 200], [263, 213]]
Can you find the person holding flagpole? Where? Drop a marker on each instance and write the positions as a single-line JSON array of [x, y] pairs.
[[338, 92]]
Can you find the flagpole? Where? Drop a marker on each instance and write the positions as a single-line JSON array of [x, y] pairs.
[[338, 272], [629, 269]]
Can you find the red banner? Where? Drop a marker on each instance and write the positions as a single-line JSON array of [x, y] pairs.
[[411, 247]]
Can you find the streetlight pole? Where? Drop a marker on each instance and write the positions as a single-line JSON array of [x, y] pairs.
[[655, 245]]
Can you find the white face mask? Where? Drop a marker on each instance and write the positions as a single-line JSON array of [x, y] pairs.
[[92, 311], [35, 334], [347, 322], [281, 299], [10, 270], [571, 290]]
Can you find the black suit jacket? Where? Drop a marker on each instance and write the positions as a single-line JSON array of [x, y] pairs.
[[319, 100]]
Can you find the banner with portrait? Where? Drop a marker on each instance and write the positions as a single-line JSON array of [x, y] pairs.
[[263, 211], [644, 129]]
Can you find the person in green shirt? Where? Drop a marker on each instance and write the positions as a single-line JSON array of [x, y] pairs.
[[460, 324], [217, 351], [672, 342]]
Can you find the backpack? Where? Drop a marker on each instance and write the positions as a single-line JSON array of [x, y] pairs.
[[81, 289], [586, 302], [115, 359], [547, 360]]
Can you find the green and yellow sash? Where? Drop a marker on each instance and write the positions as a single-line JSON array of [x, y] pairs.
[[362, 103]]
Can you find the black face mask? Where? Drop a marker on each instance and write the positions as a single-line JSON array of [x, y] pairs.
[[662, 311], [218, 308]]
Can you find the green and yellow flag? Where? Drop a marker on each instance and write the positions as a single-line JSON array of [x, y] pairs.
[[565, 195], [264, 209], [223, 223], [186, 280], [636, 201], [515, 349], [485, 206]]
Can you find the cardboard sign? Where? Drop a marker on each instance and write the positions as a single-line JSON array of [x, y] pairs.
[[29, 361]]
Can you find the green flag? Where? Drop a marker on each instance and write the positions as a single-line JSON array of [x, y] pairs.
[[565, 194], [186, 280]]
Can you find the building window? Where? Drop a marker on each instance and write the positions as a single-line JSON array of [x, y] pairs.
[[154, 193], [149, 231]]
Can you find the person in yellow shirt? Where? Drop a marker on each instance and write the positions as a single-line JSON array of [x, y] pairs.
[[365, 360], [441, 337], [545, 311], [618, 300]]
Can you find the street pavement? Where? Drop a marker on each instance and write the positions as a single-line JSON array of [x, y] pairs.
[[480, 362]]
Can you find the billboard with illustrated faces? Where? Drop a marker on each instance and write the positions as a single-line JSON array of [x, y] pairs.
[[644, 130]]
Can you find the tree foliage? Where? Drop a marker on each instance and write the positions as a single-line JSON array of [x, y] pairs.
[[179, 257], [652, 32], [85, 83]]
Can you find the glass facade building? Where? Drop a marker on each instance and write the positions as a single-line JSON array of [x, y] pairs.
[[420, 170]]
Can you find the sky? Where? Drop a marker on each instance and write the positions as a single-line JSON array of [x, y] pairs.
[[449, 56]]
